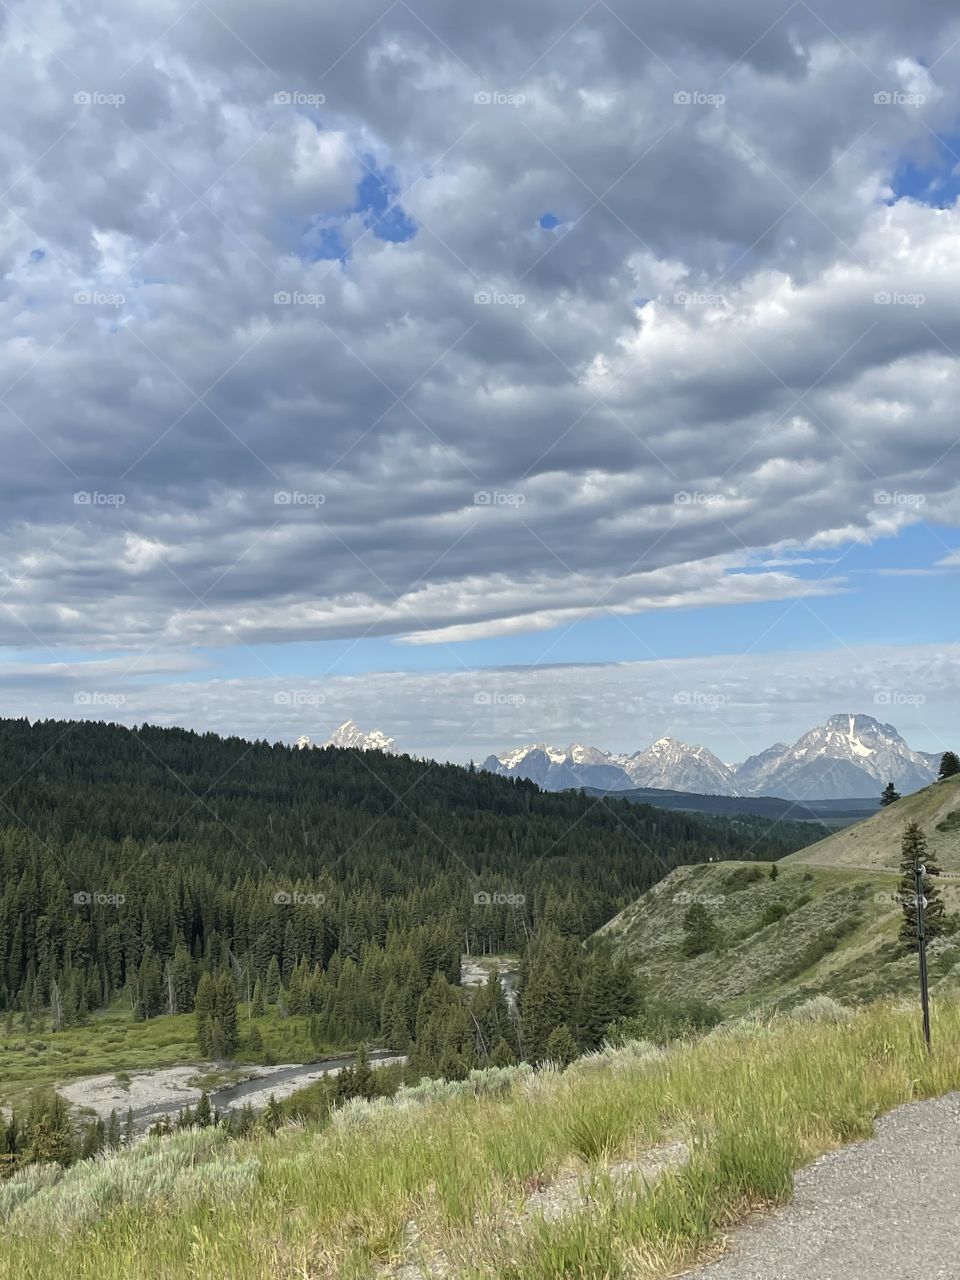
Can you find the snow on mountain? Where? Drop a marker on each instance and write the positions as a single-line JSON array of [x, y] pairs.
[[760, 765], [351, 735], [557, 770], [670, 765], [849, 756], [667, 765]]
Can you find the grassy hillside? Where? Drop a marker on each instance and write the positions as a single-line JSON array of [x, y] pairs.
[[629, 1164], [811, 930], [875, 843]]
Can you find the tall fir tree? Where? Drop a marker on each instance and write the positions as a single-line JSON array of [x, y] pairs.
[[913, 851]]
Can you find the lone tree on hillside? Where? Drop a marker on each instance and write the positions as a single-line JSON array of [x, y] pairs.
[[949, 765], [888, 795], [913, 850], [699, 930]]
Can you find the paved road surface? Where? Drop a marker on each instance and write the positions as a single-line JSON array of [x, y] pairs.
[[885, 1209]]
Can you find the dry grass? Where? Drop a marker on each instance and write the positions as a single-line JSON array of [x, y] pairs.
[[447, 1181]]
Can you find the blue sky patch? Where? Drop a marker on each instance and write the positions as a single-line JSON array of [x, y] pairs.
[[376, 200], [932, 177]]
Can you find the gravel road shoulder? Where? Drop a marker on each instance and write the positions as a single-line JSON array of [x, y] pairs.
[[884, 1209]]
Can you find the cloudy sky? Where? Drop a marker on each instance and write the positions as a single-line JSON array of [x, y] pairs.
[[485, 373]]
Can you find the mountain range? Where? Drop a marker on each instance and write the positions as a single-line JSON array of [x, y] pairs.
[[848, 756]]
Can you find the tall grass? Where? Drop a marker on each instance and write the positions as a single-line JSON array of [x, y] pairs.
[[448, 1179]]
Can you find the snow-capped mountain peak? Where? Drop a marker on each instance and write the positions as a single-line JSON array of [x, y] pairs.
[[667, 764], [350, 734], [848, 756]]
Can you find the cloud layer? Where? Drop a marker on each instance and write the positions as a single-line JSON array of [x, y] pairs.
[[439, 322], [734, 704]]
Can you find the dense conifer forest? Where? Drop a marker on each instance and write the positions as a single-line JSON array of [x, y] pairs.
[[176, 869]]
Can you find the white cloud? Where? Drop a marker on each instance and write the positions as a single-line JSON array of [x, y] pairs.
[[797, 354]]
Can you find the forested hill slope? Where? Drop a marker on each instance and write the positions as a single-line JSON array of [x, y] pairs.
[[133, 859]]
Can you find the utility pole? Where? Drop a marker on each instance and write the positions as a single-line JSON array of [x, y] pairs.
[[919, 872]]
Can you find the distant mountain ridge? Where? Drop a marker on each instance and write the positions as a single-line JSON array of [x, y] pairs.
[[850, 756]]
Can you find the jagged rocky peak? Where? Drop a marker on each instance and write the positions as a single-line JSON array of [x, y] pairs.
[[349, 734]]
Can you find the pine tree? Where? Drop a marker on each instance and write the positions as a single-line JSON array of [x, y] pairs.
[[272, 990], [608, 992], [548, 994], [889, 795], [913, 852], [128, 1128], [561, 1046], [258, 1005], [503, 1055], [949, 765], [94, 1136], [272, 1115], [204, 1012], [363, 1074], [226, 1015], [180, 980], [49, 1133], [490, 1015], [203, 1115], [113, 1131], [699, 930]]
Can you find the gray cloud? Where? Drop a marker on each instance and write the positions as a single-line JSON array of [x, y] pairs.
[[691, 368]]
